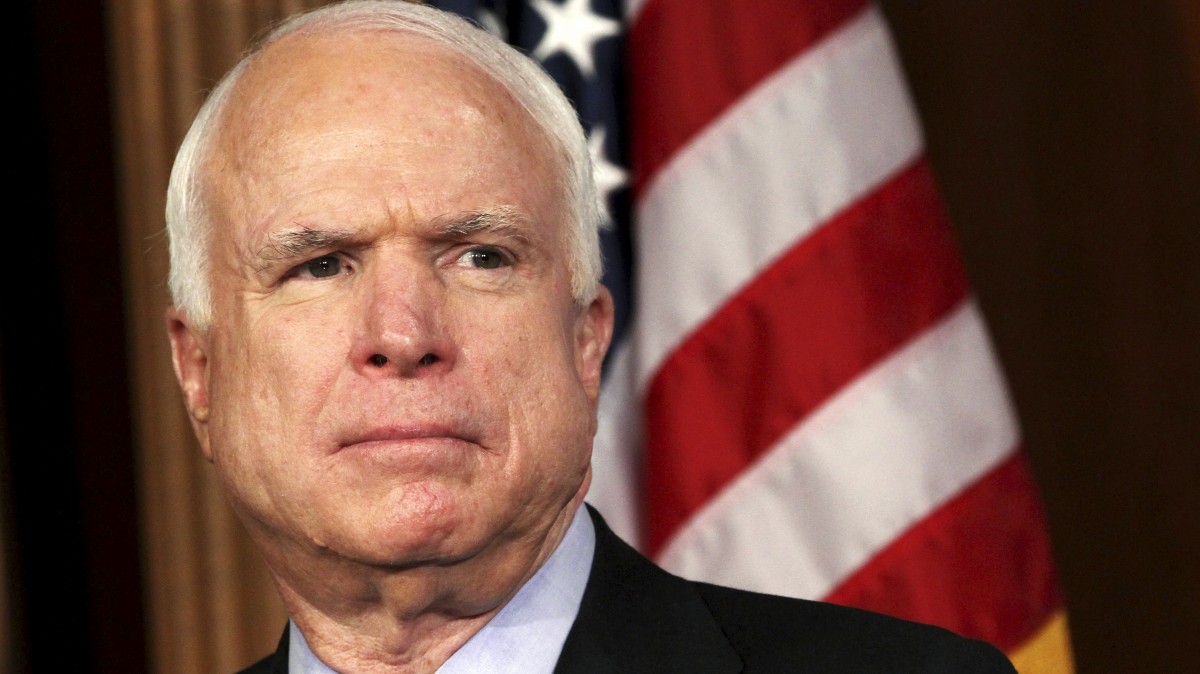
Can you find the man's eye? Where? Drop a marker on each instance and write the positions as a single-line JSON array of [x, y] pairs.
[[484, 258], [322, 267]]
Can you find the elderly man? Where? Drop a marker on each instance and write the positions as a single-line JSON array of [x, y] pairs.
[[388, 329]]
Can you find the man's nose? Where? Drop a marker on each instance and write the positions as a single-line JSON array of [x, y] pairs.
[[404, 330]]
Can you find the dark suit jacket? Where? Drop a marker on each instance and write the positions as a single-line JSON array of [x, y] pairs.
[[635, 617]]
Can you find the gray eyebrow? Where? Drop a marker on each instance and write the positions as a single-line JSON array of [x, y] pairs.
[[504, 220], [300, 242]]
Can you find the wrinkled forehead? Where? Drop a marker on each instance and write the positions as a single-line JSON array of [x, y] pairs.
[[347, 82]]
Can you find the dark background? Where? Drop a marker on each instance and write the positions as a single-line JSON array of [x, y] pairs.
[[1066, 137], [67, 474]]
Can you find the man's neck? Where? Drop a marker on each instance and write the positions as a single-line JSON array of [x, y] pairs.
[[409, 620]]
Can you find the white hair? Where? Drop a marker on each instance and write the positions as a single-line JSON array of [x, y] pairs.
[[187, 211]]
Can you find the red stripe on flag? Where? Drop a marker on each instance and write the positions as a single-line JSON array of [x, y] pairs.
[[980, 565], [866, 282], [683, 76]]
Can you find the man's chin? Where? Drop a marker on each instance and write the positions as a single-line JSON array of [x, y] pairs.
[[411, 538]]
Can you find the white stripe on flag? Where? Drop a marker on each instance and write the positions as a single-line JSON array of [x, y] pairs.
[[879, 456], [812, 139]]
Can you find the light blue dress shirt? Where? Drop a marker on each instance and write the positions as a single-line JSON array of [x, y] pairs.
[[528, 634]]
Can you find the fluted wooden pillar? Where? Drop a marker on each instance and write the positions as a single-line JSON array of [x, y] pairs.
[[210, 604]]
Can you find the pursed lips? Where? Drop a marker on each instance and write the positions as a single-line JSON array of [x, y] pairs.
[[423, 435]]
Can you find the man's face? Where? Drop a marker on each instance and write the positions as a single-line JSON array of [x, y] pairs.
[[396, 372]]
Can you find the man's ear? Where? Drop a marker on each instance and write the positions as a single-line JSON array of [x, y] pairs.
[[189, 353], [593, 334]]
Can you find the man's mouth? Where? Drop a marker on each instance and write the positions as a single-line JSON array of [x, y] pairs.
[[407, 437]]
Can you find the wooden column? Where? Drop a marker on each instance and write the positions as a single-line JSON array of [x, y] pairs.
[[210, 603]]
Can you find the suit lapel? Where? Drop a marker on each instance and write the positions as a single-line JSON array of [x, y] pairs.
[[635, 617]]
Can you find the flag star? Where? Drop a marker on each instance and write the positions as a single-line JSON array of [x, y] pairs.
[[573, 28], [609, 176], [491, 23]]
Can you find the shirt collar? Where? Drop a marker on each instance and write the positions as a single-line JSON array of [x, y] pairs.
[[528, 634]]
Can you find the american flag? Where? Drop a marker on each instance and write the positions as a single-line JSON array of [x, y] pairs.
[[801, 398]]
